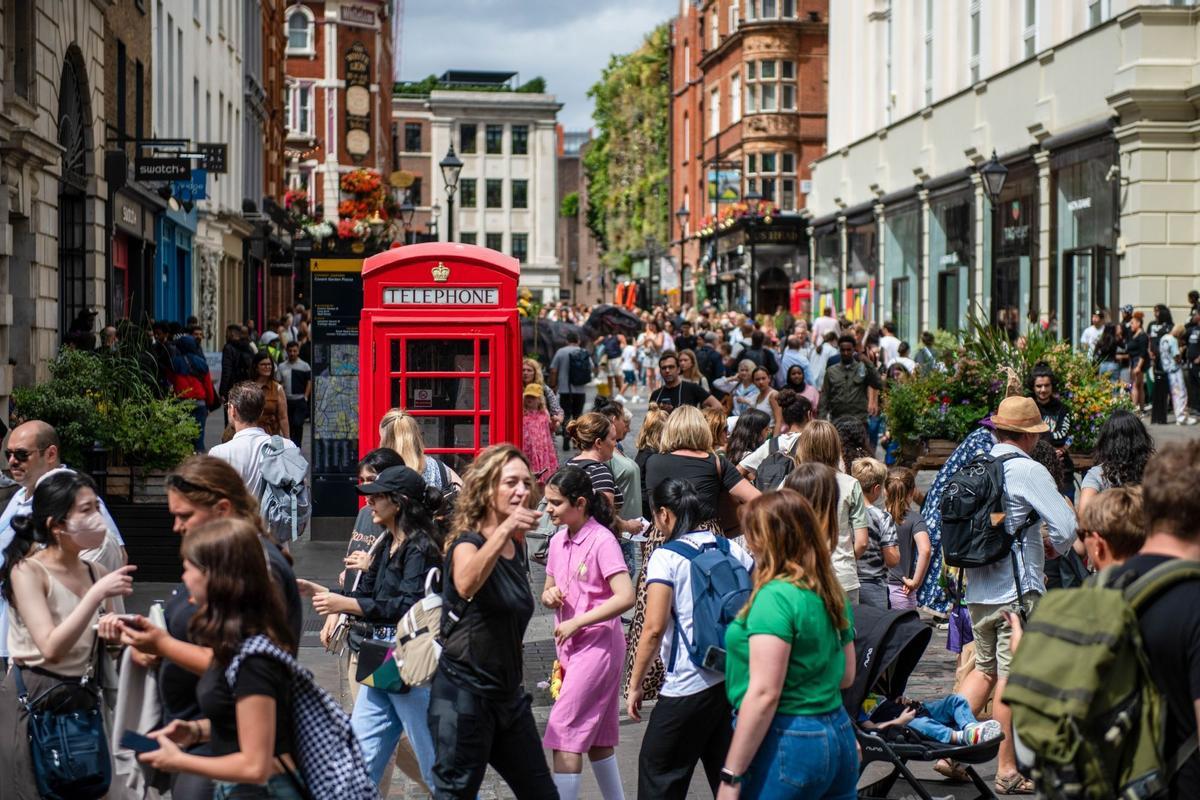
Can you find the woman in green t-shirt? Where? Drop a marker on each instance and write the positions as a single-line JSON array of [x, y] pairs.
[[790, 653]]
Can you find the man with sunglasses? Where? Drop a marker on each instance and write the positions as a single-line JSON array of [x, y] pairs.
[[32, 453]]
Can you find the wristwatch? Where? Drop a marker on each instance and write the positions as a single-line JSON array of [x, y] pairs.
[[728, 777]]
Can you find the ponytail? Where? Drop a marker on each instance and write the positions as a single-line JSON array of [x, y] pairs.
[[898, 491], [573, 482], [681, 499]]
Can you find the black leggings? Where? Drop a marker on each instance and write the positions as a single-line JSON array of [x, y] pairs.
[[682, 731], [471, 731]]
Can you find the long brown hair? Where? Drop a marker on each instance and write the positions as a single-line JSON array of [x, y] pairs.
[[243, 600], [785, 536], [898, 492], [479, 487], [207, 480], [817, 483]]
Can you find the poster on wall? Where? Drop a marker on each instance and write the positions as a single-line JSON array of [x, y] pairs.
[[358, 102]]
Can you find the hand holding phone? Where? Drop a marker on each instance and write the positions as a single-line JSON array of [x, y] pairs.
[[132, 740]]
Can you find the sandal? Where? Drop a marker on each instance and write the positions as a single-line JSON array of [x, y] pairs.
[[951, 770], [1014, 784]]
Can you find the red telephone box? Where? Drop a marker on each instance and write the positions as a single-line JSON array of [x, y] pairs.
[[440, 337]]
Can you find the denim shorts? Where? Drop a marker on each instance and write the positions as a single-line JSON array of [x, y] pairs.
[[279, 787], [807, 757]]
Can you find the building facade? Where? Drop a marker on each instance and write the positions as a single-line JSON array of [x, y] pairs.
[[412, 140], [583, 280], [52, 209], [506, 198], [1089, 106], [748, 117]]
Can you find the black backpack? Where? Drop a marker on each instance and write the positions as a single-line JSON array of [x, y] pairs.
[[612, 347], [973, 530], [579, 367], [775, 467]]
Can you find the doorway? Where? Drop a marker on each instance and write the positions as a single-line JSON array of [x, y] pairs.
[[948, 310], [1088, 283]]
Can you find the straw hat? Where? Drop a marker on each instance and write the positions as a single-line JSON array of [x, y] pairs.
[[1019, 414]]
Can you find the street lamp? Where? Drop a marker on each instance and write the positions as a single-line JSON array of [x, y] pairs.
[[753, 198], [682, 215], [451, 167], [407, 210], [652, 300], [994, 174]]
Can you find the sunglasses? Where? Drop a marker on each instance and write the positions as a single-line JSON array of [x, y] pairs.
[[21, 456]]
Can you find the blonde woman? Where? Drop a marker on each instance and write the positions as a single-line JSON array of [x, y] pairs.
[[690, 371], [647, 445], [398, 431], [531, 372], [686, 454]]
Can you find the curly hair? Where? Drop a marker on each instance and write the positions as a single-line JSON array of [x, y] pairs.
[[1045, 454], [853, 434], [1123, 448], [479, 487]]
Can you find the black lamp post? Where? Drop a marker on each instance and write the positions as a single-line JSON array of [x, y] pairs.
[[407, 210], [994, 174], [652, 300], [451, 167], [682, 215], [753, 198]]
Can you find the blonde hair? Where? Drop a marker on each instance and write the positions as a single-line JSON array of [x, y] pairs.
[[717, 423], [869, 473], [650, 434], [479, 487], [1178, 332], [821, 443], [694, 375], [1115, 515], [538, 377], [398, 431], [686, 429]]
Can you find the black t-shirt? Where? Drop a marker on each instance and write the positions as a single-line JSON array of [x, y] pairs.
[[642, 457], [1193, 343], [701, 473], [483, 652], [687, 342], [685, 393], [258, 675], [1137, 345], [913, 524], [1171, 635]]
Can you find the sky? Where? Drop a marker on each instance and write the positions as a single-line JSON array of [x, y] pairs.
[[567, 42]]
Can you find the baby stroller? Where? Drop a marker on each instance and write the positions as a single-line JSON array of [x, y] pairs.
[[888, 646]]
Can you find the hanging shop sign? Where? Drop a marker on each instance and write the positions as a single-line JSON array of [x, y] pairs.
[[149, 168], [194, 187], [216, 155], [358, 102], [357, 15]]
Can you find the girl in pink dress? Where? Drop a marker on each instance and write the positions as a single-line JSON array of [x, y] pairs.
[[537, 439], [588, 585]]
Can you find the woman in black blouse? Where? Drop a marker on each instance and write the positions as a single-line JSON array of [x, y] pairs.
[[479, 710], [394, 577], [248, 725]]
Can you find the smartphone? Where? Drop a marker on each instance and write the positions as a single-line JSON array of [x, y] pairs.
[[131, 620], [714, 659], [132, 740]]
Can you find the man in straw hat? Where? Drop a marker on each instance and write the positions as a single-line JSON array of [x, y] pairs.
[[992, 589]]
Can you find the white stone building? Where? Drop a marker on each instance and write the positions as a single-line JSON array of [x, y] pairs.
[[1091, 104], [506, 192]]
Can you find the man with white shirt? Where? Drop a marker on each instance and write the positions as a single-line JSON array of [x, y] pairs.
[[824, 324], [1091, 334], [32, 454], [889, 343], [244, 450]]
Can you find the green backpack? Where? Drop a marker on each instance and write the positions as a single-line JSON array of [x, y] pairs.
[[1081, 694]]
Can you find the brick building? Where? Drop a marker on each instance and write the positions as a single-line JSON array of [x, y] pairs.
[[748, 116], [583, 278]]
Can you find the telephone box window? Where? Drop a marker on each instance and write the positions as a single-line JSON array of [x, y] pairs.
[[439, 355]]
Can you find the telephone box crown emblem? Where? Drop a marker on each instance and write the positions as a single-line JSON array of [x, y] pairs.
[[441, 273]]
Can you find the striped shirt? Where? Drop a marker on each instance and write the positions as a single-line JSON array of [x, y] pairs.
[[1028, 487]]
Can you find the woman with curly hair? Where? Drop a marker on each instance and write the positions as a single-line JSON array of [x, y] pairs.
[[1122, 449], [479, 713], [853, 434]]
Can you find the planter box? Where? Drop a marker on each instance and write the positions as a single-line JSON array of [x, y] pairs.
[[149, 539], [935, 453], [136, 485]]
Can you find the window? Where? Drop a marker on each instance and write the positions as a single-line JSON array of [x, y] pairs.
[[687, 137], [520, 140], [773, 174], [733, 16], [714, 31], [687, 62], [468, 133], [494, 241], [770, 85], [1030, 34], [789, 9], [414, 192], [20, 46], [299, 110], [928, 52], [714, 112], [466, 193], [735, 97], [520, 246], [494, 140], [412, 137], [520, 194], [300, 27], [789, 162], [1099, 10], [494, 190], [467, 238], [973, 60], [767, 96], [122, 68]]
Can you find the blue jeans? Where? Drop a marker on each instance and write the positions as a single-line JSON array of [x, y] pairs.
[[380, 717], [951, 713], [806, 758], [280, 787]]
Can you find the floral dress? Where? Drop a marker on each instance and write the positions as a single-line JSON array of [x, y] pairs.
[[931, 594], [538, 444]]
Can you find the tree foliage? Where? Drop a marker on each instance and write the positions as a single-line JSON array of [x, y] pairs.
[[430, 82], [626, 164]]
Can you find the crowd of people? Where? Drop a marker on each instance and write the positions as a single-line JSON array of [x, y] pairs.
[[711, 562]]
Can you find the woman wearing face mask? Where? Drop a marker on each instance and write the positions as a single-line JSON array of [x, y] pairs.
[[55, 600], [393, 580]]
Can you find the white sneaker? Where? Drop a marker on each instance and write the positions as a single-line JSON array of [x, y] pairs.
[[1191, 421]]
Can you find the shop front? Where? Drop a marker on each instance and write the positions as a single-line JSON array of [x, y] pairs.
[[1086, 224], [774, 249], [133, 247], [827, 267], [1012, 300], [951, 273], [902, 268], [862, 264], [173, 265]]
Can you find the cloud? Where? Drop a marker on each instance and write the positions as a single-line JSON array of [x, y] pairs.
[[567, 42]]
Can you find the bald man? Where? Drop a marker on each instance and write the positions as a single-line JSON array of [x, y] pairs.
[[32, 454]]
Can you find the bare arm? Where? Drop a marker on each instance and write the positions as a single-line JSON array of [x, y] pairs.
[[924, 550], [659, 597], [860, 542], [776, 411], [744, 491], [54, 642], [712, 402], [148, 638], [891, 555], [768, 665], [848, 676], [252, 763], [472, 565]]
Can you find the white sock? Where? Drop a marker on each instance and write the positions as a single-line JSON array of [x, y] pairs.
[[567, 784], [608, 775]]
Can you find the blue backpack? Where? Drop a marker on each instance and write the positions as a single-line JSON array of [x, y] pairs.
[[720, 589]]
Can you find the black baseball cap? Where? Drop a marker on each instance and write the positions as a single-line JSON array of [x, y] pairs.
[[400, 479]]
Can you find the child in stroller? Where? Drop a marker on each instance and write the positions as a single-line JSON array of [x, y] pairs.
[[948, 720]]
